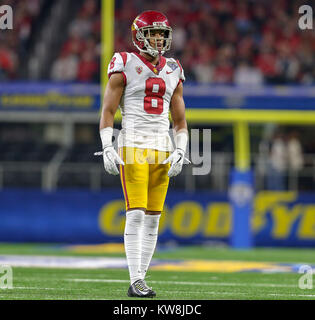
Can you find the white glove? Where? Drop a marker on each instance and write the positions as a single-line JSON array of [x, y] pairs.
[[176, 159], [110, 158], [178, 155]]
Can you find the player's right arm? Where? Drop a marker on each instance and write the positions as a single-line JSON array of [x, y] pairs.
[[112, 96], [113, 93]]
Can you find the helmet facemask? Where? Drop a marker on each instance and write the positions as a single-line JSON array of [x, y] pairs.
[[144, 35]]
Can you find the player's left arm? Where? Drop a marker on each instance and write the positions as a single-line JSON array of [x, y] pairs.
[[177, 108]]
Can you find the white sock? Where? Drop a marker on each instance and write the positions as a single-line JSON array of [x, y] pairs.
[[149, 239], [132, 241]]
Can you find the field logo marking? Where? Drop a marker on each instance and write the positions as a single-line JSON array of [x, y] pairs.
[[306, 280], [6, 17], [6, 277]]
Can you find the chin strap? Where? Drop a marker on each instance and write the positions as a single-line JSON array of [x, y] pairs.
[[158, 66]]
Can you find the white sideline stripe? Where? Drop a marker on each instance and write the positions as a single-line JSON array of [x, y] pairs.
[[74, 262], [63, 262], [193, 283]]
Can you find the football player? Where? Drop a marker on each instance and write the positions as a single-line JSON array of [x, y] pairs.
[[146, 86]]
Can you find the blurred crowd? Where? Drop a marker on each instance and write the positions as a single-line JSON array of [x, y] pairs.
[[217, 41], [80, 54], [229, 41], [13, 43]]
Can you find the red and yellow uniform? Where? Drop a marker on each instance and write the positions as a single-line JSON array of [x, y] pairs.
[[144, 140]]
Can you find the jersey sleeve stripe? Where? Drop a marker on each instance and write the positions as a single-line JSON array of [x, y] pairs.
[[181, 69], [124, 57]]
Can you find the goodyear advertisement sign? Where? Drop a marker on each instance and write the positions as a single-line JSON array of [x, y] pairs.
[[76, 97], [278, 218], [66, 97]]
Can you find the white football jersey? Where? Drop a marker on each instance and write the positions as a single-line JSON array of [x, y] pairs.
[[146, 99]]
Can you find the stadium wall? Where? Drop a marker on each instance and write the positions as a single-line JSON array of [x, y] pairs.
[[73, 216]]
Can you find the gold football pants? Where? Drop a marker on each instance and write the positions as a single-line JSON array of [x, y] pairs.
[[143, 178]]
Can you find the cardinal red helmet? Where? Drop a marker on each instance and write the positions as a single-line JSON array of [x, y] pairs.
[[142, 28]]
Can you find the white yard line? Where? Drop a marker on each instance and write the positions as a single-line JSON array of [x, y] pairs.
[[236, 293], [39, 288], [52, 297], [215, 293], [291, 295], [228, 284]]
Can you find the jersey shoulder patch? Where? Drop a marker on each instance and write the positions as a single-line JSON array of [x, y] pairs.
[[171, 63]]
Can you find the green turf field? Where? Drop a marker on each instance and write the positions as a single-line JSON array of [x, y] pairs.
[[167, 278]]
